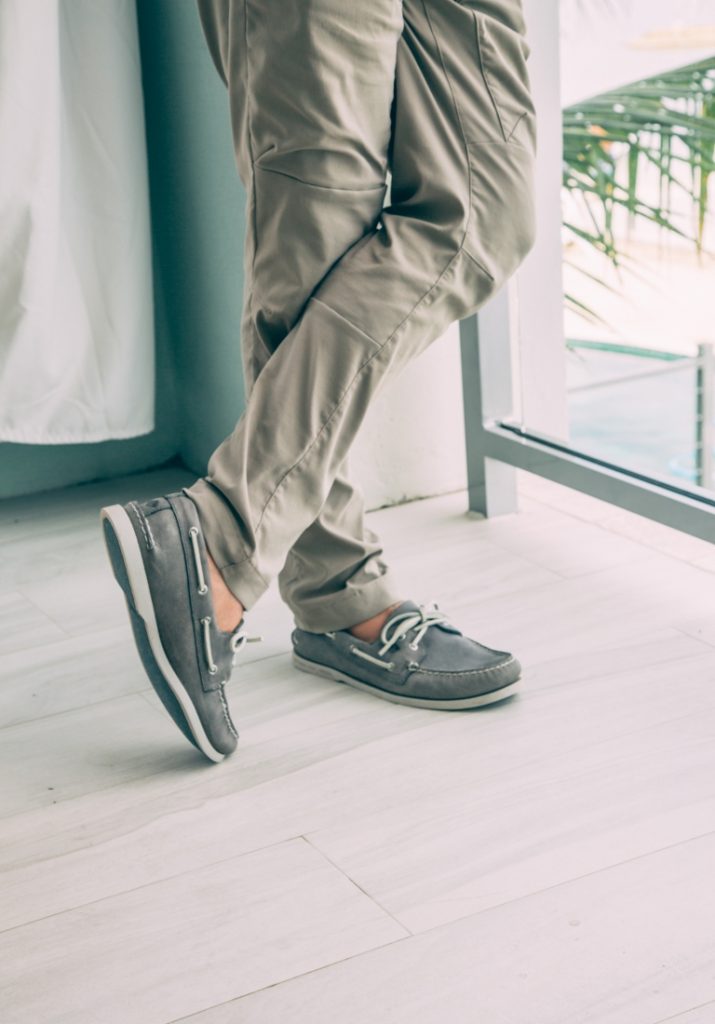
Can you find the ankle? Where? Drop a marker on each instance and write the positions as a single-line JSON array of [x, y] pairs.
[[369, 629], [227, 608]]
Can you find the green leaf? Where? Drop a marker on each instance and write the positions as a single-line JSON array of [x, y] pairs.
[[667, 121]]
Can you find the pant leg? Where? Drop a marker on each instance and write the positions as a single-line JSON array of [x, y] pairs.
[[335, 573], [460, 221]]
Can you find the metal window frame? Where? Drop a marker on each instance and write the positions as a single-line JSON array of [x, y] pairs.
[[522, 326], [496, 449]]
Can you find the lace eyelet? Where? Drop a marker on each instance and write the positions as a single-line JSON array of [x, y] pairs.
[[237, 641], [414, 647]]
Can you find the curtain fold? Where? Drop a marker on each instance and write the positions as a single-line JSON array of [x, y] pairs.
[[76, 296]]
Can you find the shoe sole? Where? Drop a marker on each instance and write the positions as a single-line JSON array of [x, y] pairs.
[[459, 704], [128, 568]]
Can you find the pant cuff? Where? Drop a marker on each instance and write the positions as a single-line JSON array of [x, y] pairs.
[[347, 607], [225, 543]]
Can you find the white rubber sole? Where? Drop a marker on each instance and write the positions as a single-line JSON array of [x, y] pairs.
[[141, 599], [316, 669]]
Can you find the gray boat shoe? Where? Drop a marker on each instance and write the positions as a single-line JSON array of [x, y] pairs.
[[419, 659], [159, 558]]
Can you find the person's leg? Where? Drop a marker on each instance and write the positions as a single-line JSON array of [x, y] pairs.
[[318, 76], [335, 573], [313, 79]]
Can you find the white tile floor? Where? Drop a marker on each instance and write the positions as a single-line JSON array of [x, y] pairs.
[[544, 861]]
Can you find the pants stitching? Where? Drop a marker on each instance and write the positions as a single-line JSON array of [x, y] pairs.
[[462, 131], [355, 327], [349, 387], [249, 139], [478, 30], [422, 298], [313, 184], [518, 121], [247, 560], [479, 265], [500, 142]]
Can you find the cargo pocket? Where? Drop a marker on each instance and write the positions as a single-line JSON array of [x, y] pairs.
[[503, 53]]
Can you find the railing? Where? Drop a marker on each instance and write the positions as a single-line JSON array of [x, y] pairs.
[[702, 471], [496, 446]]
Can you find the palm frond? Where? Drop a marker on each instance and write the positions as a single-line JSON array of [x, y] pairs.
[[666, 122]]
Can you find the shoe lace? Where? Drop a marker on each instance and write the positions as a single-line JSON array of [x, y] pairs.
[[238, 639], [401, 624]]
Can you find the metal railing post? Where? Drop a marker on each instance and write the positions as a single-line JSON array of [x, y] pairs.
[[704, 412]]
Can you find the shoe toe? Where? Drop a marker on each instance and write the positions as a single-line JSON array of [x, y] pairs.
[[460, 668]]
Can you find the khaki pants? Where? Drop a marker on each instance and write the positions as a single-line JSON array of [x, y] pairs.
[[326, 97]]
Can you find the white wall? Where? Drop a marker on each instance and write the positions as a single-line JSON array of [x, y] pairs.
[[412, 442], [640, 38]]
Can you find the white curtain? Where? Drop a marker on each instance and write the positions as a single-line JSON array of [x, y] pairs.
[[76, 300]]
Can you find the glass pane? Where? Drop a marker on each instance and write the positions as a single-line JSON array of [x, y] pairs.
[[638, 234]]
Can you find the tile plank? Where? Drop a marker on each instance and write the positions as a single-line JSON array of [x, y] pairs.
[[551, 854], [155, 954], [474, 846], [24, 625], [699, 1015], [66, 674], [630, 945], [416, 806]]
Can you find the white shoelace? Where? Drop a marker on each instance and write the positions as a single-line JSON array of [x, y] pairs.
[[236, 641], [238, 638], [397, 627]]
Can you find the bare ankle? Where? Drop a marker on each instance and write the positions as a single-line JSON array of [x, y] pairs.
[[369, 629], [227, 608]]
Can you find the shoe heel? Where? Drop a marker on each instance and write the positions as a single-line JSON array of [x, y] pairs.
[[114, 550], [127, 565]]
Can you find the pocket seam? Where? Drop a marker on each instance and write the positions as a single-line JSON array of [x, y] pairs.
[[518, 121], [479, 32]]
